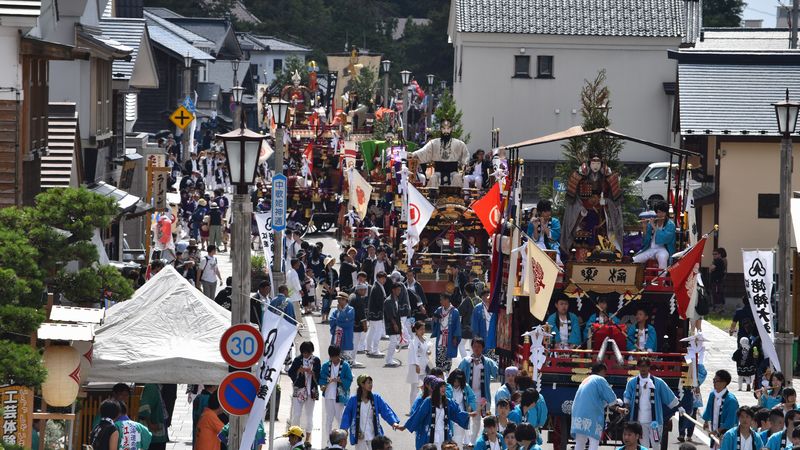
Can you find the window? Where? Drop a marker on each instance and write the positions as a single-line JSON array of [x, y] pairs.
[[522, 66], [656, 173], [277, 65], [544, 66], [768, 206]]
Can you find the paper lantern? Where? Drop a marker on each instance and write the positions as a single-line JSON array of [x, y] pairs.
[[85, 349], [63, 365]]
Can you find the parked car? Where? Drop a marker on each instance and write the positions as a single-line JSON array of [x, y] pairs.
[[652, 183]]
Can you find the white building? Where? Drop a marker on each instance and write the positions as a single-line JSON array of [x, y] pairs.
[[267, 55], [520, 65]]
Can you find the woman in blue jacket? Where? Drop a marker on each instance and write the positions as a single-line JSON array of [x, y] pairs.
[[432, 420], [362, 432]]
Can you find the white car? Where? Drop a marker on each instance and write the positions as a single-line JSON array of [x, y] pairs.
[[652, 183]]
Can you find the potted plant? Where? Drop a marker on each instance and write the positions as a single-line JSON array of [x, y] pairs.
[[257, 271]]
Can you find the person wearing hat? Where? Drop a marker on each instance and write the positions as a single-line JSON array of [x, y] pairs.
[[432, 421], [368, 262], [342, 321], [335, 380], [295, 435], [359, 300], [392, 320], [362, 412], [373, 238], [509, 387]]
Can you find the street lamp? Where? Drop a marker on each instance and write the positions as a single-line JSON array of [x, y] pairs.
[[430, 79], [187, 89], [443, 85], [242, 148], [237, 92], [786, 113], [386, 64], [429, 102], [405, 77]]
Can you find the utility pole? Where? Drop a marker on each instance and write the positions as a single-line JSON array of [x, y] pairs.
[[187, 90], [793, 34]]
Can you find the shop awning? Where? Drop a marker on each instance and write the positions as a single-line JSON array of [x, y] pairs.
[[129, 205]]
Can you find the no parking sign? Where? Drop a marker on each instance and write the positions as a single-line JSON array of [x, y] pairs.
[[237, 392]]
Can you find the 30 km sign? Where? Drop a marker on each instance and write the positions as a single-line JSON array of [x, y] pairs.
[[279, 202], [241, 346]]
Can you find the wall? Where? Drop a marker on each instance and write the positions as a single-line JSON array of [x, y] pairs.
[[266, 60], [70, 82], [636, 69], [11, 74], [748, 169]]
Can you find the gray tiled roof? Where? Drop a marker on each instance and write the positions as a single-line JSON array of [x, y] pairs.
[[175, 43], [715, 98], [128, 32], [183, 33], [279, 45], [650, 18]]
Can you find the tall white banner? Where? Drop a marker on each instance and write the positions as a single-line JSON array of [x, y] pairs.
[[278, 334], [758, 272], [265, 232]]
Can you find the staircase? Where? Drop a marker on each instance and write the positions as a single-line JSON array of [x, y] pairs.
[[63, 142]]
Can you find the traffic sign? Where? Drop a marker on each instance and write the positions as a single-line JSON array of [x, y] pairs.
[[189, 104], [181, 117], [237, 392], [279, 202], [241, 346]]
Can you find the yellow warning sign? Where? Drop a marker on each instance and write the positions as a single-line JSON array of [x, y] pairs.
[[181, 117]]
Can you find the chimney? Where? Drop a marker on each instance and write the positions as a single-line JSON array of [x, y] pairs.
[[693, 15]]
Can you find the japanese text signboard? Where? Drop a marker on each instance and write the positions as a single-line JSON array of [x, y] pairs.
[[17, 418], [758, 271], [279, 186], [606, 277]]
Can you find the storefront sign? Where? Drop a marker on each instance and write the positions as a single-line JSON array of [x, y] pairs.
[[17, 415], [606, 277]]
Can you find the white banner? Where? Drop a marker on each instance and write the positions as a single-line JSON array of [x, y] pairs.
[[278, 334], [758, 272], [265, 231], [360, 193]]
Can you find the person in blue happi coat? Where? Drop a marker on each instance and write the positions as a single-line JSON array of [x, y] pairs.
[[772, 395], [782, 440], [601, 317], [335, 378], [631, 434], [479, 370], [447, 331], [484, 324], [588, 408], [642, 336], [432, 420], [374, 406], [490, 438], [743, 436], [565, 326], [342, 320], [721, 407], [647, 396], [532, 409]]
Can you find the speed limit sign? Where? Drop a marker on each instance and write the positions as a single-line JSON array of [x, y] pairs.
[[241, 346]]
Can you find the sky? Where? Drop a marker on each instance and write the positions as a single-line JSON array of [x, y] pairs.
[[763, 9]]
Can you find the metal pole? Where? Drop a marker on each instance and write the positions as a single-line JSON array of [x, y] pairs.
[[785, 338], [272, 416], [276, 260], [406, 101], [242, 211], [187, 87], [385, 89], [793, 34]]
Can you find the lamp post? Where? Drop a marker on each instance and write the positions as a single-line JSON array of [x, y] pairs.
[[187, 89], [242, 148], [386, 64], [786, 113], [405, 77], [280, 108], [429, 97], [238, 102]]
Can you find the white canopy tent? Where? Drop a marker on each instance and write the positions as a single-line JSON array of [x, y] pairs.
[[168, 332]]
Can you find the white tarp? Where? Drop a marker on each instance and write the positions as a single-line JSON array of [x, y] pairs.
[[169, 332]]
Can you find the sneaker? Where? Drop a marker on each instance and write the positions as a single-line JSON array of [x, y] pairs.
[[357, 365], [394, 363], [361, 352], [681, 439]]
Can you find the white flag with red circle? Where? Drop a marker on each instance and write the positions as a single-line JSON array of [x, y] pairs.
[[420, 211]]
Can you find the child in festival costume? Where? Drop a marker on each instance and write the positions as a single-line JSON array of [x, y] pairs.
[[418, 351], [789, 400], [527, 436], [773, 424], [361, 414], [565, 326], [464, 397], [490, 439], [304, 372], [532, 409], [772, 395], [447, 331], [642, 337], [745, 362], [431, 421], [479, 371], [721, 407], [503, 409], [510, 437], [742, 437], [631, 435], [600, 317], [782, 440], [658, 397]]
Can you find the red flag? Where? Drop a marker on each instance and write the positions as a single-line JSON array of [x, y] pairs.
[[488, 209], [684, 276], [309, 154]]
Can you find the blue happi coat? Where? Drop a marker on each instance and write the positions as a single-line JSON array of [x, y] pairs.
[[664, 236], [774, 442], [641, 447], [574, 333], [771, 399], [728, 417], [536, 415], [588, 408], [453, 328], [482, 444], [478, 323], [730, 440], [489, 372], [345, 375], [382, 409], [344, 319], [650, 343], [469, 399], [663, 398], [420, 421]]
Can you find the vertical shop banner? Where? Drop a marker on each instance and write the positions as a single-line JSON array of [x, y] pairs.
[[758, 272], [17, 418]]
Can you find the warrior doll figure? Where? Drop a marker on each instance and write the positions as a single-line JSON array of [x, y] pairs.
[[593, 208]]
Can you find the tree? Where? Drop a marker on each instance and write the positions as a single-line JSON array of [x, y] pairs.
[[447, 110], [284, 78], [722, 13], [364, 85], [38, 243]]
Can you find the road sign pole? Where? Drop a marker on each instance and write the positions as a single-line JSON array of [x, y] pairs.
[[272, 413], [187, 82], [277, 260]]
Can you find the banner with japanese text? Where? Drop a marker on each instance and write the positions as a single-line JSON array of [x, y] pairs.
[[278, 333], [758, 271], [17, 418], [265, 233]]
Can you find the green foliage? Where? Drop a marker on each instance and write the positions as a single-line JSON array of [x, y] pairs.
[[257, 263], [20, 320], [20, 364], [4, 446], [365, 85], [78, 211], [447, 110], [22, 280], [723, 13], [87, 285], [291, 64]]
